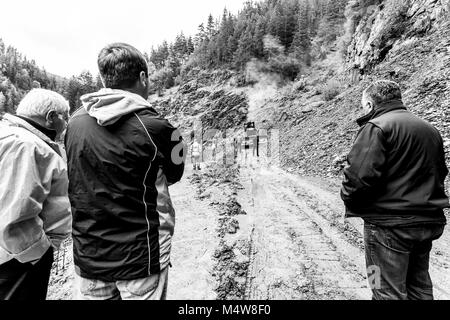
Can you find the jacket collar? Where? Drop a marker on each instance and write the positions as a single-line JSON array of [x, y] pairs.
[[108, 106], [25, 124], [48, 132], [380, 110]]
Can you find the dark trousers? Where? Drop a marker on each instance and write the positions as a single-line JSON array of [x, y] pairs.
[[397, 261], [25, 281]]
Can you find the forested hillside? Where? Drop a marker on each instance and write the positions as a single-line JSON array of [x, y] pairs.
[[281, 37], [19, 74], [271, 36], [405, 41]]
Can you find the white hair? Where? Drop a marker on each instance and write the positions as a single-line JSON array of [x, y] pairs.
[[38, 102]]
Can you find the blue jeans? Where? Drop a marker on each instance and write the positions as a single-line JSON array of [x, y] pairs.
[[153, 287], [397, 261]]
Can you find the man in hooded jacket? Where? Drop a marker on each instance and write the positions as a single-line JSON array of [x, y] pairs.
[[122, 156]]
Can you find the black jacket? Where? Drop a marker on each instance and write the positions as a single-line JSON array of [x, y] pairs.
[[396, 168], [123, 218]]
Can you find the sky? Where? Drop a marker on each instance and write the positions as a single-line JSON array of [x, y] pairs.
[[65, 37]]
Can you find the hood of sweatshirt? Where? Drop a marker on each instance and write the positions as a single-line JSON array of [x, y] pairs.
[[109, 105]]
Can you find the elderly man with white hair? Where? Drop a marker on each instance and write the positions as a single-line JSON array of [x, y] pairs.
[[35, 215]]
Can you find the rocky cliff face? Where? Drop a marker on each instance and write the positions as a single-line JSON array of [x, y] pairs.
[[205, 97], [409, 41], [406, 41], [386, 24]]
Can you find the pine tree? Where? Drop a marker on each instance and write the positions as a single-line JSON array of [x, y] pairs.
[[260, 32], [11, 58], [173, 64], [162, 78], [86, 81], [301, 45], [210, 27], [42, 77], [73, 93], [190, 45], [224, 33], [180, 46], [274, 19], [244, 50], [240, 26], [231, 44], [201, 35], [335, 9], [283, 21], [159, 56], [23, 79]]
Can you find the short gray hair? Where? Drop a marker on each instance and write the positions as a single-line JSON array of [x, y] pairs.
[[383, 91], [38, 102]]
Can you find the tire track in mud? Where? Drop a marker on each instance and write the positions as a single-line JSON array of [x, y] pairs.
[[326, 249], [281, 236], [296, 255], [230, 271], [193, 243], [352, 230]]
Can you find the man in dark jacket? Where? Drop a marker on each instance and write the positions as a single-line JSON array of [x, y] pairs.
[[122, 156], [394, 180]]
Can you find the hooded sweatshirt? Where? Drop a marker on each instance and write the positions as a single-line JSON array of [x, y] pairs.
[[109, 105], [122, 156]]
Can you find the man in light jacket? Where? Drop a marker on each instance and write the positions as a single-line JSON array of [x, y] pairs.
[[122, 156], [35, 212]]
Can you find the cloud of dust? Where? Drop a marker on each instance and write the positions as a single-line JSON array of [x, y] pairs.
[[265, 84], [265, 87]]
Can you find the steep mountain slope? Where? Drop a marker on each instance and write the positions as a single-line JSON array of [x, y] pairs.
[[409, 44], [206, 98], [406, 41]]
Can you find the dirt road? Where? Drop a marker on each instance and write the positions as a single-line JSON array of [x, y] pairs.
[[300, 246], [193, 245], [297, 253], [269, 235]]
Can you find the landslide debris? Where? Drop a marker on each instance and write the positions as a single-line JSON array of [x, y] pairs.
[[232, 253], [207, 97]]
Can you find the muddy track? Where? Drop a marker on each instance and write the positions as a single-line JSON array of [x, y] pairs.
[[256, 232], [302, 248], [218, 186], [295, 253]]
